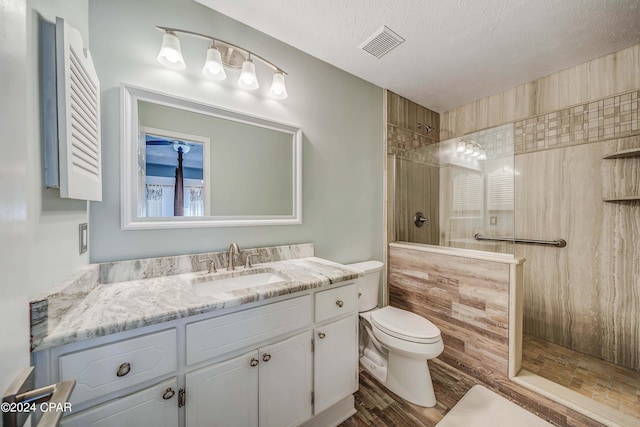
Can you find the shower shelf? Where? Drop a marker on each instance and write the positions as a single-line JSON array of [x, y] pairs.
[[633, 152], [622, 199], [623, 168]]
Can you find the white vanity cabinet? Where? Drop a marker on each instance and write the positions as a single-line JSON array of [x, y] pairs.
[[335, 356], [154, 406], [285, 362], [268, 387], [335, 362], [109, 368]]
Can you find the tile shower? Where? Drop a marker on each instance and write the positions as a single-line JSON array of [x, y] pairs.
[[558, 146]]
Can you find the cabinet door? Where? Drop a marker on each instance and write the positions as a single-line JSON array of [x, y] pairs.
[[285, 382], [154, 406], [336, 362], [224, 394]]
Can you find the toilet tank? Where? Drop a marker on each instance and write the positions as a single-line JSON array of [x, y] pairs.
[[369, 285]]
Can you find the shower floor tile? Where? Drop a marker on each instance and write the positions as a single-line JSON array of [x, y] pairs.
[[597, 379]]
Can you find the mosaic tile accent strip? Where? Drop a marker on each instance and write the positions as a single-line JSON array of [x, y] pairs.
[[400, 141], [607, 118]]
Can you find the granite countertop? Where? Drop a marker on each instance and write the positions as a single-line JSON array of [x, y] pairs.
[[107, 308]]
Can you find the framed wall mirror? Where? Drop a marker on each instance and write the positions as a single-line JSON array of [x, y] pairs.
[[188, 164]]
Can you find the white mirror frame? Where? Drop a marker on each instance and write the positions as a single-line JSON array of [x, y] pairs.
[[130, 95]]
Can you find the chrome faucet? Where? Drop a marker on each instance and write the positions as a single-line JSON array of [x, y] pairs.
[[233, 249]]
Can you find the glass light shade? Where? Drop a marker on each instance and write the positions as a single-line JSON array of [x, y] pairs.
[[278, 88], [483, 155], [170, 54], [468, 148], [248, 79], [461, 147], [213, 68], [476, 151]]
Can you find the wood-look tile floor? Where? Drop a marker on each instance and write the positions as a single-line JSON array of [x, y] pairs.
[[376, 406], [602, 381]]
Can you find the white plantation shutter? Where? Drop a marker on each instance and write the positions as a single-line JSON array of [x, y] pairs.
[[467, 193], [501, 192], [78, 117]]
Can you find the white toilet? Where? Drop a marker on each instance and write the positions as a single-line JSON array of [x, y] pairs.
[[395, 344]]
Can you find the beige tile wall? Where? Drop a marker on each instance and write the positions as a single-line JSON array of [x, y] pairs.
[[468, 300], [412, 177], [585, 296], [617, 73]]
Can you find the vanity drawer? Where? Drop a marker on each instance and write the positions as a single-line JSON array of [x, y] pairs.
[[214, 337], [112, 367], [335, 302]]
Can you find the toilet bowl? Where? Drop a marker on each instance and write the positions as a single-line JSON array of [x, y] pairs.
[[395, 344]]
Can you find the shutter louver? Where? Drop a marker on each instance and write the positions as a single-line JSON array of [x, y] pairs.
[[501, 192], [78, 117]]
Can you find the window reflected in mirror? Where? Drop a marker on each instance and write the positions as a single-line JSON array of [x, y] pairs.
[[171, 171]]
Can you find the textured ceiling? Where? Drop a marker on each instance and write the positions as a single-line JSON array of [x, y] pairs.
[[456, 51]]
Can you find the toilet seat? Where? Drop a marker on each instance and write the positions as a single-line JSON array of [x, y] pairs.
[[405, 325]]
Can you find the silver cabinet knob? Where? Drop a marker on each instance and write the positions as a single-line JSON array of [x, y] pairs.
[[339, 303], [123, 370], [321, 335], [168, 394], [266, 357], [254, 362]]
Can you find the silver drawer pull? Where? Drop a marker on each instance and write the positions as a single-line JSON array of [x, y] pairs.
[[168, 394], [124, 369], [321, 335], [254, 362], [339, 303], [266, 357]]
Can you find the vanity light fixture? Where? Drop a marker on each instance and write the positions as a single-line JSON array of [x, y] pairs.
[[221, 54], [470, 149]]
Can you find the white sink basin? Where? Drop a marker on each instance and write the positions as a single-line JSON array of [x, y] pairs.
[[235, 283]]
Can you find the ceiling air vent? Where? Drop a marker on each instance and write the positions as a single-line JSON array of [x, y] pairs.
[[381, 42]]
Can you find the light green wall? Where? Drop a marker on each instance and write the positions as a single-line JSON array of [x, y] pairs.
[[53, 222], [340, 115]]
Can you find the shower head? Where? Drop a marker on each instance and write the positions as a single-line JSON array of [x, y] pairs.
[[427, 128]]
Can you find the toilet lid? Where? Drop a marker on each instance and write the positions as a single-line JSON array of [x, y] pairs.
[[405, 325]]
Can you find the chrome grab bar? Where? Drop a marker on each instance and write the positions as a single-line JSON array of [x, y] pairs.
[[560, 243]]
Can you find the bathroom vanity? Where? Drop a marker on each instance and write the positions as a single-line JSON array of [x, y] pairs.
[[275, 354]]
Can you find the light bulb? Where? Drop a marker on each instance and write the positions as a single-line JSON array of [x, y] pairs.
[[483, 155], [170, 54], [248, 79], [278, 88], [468, 148], [461, 146], [213, 65], [476, 151]]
